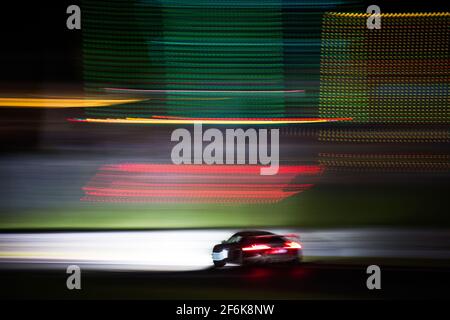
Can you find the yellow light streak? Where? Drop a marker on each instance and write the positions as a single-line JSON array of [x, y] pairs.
[[207, 121], [61, 103]]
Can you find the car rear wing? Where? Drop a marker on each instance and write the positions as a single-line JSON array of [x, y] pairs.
[[290, 236]]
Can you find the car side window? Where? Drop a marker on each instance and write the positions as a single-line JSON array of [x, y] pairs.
[[234, 239]]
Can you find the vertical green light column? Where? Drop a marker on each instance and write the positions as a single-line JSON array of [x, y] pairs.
[[226, 58]]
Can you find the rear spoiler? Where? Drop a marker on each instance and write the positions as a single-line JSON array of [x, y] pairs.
[[292, 236], [289, 236]]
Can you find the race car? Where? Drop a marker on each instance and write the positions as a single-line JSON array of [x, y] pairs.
[[247, 247]]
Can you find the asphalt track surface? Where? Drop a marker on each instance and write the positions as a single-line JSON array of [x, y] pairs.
[[306, 281]]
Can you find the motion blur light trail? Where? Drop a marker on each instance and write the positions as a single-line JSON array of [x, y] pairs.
[[393, 83], [240, 121], [149, 91], [191, 249], [397, 135], [386, 162], [161, 183], [394, 75], [61, 102], [256, 54]]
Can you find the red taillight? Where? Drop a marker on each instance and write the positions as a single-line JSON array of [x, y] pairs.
[[292, 245], [256, 247]]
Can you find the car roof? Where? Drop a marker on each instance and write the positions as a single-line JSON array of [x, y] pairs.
[[252, 233]]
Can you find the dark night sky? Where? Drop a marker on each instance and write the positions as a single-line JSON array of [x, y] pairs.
[[37, 47]]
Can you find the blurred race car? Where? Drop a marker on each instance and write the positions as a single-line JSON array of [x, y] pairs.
[[248, 247]]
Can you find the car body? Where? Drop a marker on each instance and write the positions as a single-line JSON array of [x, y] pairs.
[[254, 246]]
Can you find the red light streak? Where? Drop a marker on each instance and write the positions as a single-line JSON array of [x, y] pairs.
[[161, 183]]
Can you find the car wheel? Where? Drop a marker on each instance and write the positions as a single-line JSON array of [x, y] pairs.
[[219, 264]]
